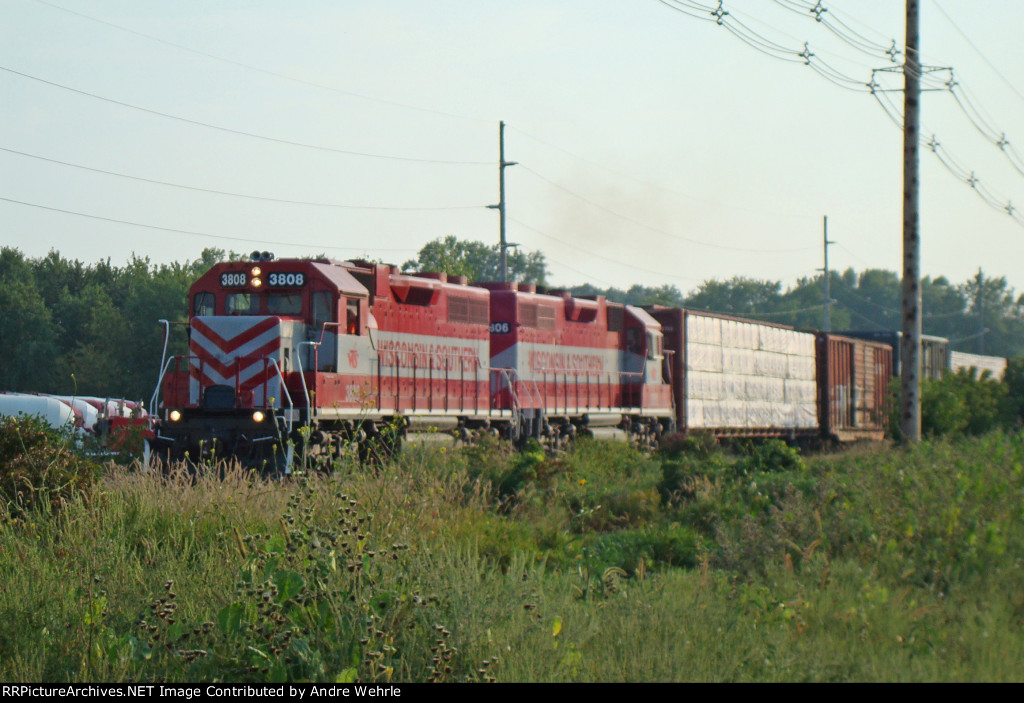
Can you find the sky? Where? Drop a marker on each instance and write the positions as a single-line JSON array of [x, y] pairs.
[[653, 145]]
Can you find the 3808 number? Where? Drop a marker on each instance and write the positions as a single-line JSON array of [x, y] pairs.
[[233, 280], [286, 279]]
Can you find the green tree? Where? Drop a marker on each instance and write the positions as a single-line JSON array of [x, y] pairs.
[[27, 332], [93, 333], [478, 261], [736, 296], [994, 323]]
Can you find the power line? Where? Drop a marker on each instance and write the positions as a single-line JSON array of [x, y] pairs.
[[593, 254], [243, 133], [257, 69], [651, 184], [984, 58], [656, 229], [929, 77], [589, 277], [236, 195], [195, 233]]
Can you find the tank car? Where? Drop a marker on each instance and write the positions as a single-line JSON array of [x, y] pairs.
[[53, 411]]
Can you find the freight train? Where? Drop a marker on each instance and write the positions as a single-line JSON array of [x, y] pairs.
[[319, 356]]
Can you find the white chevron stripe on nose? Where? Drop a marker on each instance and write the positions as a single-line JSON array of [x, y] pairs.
[[219, 343]]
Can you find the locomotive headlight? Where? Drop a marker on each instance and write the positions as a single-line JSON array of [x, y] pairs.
[[257, 416], [256, 271], [175, 416], [256, 282]]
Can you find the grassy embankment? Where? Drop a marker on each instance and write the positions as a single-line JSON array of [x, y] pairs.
[[602, 565]]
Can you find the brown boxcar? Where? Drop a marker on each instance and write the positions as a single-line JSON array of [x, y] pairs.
[[934, 350], [853, 383]]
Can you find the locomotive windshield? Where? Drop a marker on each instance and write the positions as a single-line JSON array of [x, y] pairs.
[[284, 304], [241, 304], [253, 304], [203, 304]]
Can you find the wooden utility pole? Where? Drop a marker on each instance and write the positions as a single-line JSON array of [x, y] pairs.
[[500, 207], [910, 349]]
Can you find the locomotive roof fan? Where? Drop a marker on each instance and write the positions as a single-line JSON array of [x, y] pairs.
[[261, 256]]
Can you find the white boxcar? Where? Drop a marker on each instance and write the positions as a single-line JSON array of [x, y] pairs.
[[740, 376], [962, 360]]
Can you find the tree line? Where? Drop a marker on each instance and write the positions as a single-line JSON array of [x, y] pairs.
[[981, 315], [91, 329]]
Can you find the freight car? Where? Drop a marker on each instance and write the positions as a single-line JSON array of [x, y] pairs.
[[935, 354], [994, 365], [853, 386], [53, 411], [319, 356], [732, 376], [116, 424]]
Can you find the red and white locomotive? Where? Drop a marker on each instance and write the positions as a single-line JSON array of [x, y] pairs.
[[319, 355]]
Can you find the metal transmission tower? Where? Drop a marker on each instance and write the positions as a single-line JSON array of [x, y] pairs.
[[500, 207]]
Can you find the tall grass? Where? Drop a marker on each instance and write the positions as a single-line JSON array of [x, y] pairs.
[[477, 564]]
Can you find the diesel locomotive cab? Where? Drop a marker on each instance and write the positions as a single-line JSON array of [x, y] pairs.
[[255, 329]]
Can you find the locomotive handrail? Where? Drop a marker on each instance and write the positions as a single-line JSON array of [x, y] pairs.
[[323, 331], [156, 393], [620, 376], [513, 396], [289, 454], [302, 377], [190, 357], [163, 355]]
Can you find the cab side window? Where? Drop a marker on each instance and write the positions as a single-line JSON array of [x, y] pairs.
[[203, 304], [323, 310], [352, 316]]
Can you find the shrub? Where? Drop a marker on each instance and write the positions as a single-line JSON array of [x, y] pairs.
[[699, 444], [771, 456], [675, 545], [963, 403], [38, 467]]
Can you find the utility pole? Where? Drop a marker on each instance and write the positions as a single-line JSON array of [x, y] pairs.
[[827, 326], [979, 305], [503, 244], [910, 349]]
